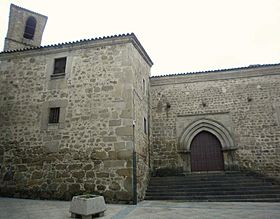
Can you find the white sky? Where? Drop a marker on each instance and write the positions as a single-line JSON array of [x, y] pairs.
[[179, 35]]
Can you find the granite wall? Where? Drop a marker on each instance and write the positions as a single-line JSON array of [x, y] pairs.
[[241, 106], [90, 149], [141, 120]]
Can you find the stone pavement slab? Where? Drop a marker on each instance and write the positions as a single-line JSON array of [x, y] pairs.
[[207, 210], [11, 208]]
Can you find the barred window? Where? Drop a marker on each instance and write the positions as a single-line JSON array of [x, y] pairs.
[[30, 26], [54, 115], [59, 65]]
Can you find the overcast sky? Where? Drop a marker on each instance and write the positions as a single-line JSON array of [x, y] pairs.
[[179, 35]]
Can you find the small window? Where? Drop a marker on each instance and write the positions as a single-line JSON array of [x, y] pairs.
[[30, 27], [144, 87], [145, 126], [54, 115], [59, 65]]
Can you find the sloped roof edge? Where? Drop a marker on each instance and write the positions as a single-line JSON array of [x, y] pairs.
[[217, 70], [132, 36]]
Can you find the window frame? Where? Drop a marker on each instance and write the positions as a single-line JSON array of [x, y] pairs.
[[59, 69], [56, 74], [62, 104], [54, 115]]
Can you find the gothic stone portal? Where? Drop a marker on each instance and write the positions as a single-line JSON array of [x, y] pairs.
[[203, 140]]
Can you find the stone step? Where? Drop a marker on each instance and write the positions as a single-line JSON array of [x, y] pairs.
[[215, 200], [212, 192], [187, 179], [234, 186], [229, 188], [215, 197], [210, 184], [208, 174]]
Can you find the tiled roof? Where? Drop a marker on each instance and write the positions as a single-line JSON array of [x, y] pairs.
[[59, 45], [218, 70], [68, 43]]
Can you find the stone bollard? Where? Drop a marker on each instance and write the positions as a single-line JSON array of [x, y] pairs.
[[87, 206]]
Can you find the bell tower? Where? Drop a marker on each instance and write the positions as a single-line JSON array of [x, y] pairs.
[[25, 28]]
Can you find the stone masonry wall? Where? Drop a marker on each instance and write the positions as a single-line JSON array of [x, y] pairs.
[[140, 105], [90, 150], [245, 101]]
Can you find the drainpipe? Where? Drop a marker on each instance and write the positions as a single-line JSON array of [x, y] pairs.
[[134, 172], [149, 122], [134, 166]]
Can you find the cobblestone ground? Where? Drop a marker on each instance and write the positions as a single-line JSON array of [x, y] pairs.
[[11, 208]]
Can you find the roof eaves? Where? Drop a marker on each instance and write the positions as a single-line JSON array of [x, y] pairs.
[[68, 43], [131, 36], [141, 49], [217, 70]]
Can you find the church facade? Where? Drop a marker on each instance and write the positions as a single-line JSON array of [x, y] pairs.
[[86, 117]]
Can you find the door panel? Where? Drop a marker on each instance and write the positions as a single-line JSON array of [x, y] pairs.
[[206, 153]]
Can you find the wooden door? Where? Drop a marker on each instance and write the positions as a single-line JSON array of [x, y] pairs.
[[206, 153]]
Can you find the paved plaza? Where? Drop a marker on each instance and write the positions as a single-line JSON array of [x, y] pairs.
[[11, 208]]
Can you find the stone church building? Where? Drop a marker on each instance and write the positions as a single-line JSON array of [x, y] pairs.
[[86, 117]]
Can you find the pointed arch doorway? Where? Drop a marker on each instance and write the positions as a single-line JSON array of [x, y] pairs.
[[206, 153]]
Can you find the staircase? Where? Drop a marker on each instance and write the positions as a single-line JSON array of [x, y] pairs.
[[214, 187]]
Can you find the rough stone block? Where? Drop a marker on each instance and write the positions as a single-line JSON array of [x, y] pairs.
[[119, 145], [102, 175], [99, 155], [90, 174], [22, 167], [124, 196], [109, 139], [107, 88], [89, 186], [75, 166], [74, 187], [124, 131], [115, 186], [115, 122], [37, 175], [101, 187], [127, 184], [52, 146], [61, 166], [79, 174], [126, 114], [124, 154], [114, 163], [88, 167], [87, 205], [124, 172]]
